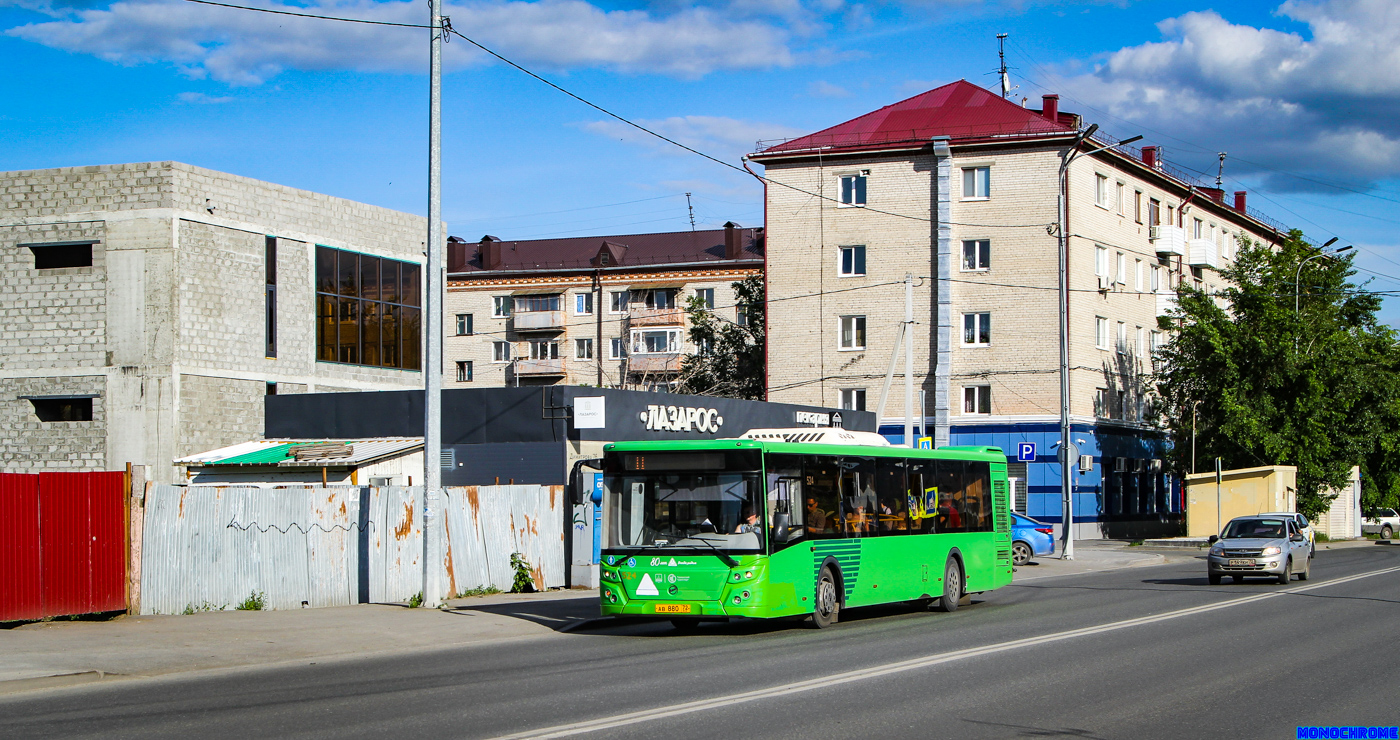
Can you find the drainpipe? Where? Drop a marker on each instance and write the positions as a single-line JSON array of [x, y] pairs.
[[943, 232], [598, 317]]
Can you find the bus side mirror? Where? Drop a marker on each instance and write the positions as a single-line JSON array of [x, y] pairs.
[[782, 522], [582, 494]]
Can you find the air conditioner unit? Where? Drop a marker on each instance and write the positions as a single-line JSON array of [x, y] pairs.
[[1154, 466], [1086, 463], [1154, 233], [1120, 464], [1105, 282]]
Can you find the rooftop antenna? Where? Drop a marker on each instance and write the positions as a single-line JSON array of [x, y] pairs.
[[1220, 171], [1006, 87], [691, 209]]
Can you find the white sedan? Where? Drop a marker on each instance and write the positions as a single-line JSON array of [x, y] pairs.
[[1383, 522]]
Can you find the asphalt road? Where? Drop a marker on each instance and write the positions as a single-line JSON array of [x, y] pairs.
[[1135, 653]]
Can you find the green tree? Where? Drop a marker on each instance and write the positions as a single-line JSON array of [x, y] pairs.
[[730, 356], [1263, 383]]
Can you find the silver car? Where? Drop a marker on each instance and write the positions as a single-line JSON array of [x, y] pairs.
[[1260, 546]]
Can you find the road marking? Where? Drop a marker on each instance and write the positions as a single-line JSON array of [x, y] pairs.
[[648, 715]]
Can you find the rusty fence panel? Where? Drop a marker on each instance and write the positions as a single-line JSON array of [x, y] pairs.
[[21, 590], [210, 547]]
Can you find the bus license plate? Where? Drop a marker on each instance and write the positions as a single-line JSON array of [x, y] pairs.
[[673, 608], [1241, 561]]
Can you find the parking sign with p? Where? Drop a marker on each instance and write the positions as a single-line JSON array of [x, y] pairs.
[[1025, 452]]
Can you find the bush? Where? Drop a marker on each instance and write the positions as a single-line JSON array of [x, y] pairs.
[[256, 602], [415, 600], [524, 582]]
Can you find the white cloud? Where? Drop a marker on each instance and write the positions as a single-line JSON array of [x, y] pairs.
[[245, 48], [202, 99], [725, 138], [1326, 104], [824, 89]]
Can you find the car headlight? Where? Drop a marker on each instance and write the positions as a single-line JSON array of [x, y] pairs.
[[1217, 551], [1271, 551]]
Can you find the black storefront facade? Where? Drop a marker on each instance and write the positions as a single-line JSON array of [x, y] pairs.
[[533, 435]]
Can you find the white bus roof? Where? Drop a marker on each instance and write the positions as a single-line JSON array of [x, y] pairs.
[[818, 435]]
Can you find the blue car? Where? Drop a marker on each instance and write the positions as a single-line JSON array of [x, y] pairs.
[[1030, 538]]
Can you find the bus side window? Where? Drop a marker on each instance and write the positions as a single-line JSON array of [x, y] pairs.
[[920, 497], [820, 477], [891, 496], [950, 497], [858, 506], [977, 499], [785, 497]]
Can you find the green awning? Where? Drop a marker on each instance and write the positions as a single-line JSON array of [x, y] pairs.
[[270, 455]]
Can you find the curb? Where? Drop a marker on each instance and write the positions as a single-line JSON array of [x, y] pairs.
[[17, 685]]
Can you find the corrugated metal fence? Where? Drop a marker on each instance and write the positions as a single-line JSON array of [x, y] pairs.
[[208, 547], [62, 544]]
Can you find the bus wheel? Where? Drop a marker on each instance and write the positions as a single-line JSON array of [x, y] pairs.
[[828, 607], [952, 587]]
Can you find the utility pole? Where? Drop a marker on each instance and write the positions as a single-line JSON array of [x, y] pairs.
[[1220, 171], [1001, 54], [691, 210], [432, 362], [909, 360]]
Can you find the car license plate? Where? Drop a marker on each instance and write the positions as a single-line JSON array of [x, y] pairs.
[[1241, 561], [673, 608]]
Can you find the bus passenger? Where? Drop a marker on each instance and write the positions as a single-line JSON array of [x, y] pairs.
[[816, 518]]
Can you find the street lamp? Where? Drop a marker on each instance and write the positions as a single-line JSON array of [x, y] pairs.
[[1298, 275], [1061, 183]]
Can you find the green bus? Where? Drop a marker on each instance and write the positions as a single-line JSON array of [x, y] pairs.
[[792, 523]]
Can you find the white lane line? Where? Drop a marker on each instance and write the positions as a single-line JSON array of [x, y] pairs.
[[648, 715]]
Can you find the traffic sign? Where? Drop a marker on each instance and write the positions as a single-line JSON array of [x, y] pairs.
[[1025, 452]]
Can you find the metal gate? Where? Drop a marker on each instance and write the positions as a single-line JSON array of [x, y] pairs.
[[62, 544]]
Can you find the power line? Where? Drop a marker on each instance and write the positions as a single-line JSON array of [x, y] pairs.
[[312, 15]]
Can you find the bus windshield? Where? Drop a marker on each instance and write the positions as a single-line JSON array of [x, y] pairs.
[[701, 499]]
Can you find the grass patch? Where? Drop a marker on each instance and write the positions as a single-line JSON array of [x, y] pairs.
[[1321, 537], [478, 591], [1135, 543], [415, 600], [203, 606], [256, 602]]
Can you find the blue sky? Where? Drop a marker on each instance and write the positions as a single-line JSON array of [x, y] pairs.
[[1304, 95]]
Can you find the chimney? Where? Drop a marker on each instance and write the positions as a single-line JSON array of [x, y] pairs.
[[490, 250], [733, 241], [1152, 156], [456, 254], [1050, 108], [1240, 200]]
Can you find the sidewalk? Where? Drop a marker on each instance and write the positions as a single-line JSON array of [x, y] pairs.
[[60, 653], [1092, 556]]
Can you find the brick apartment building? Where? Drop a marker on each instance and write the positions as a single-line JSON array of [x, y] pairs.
[[600, 310], [957, 187], [150, 307]]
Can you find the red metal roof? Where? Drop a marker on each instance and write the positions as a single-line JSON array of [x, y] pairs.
[[626, 250], [959, 110]]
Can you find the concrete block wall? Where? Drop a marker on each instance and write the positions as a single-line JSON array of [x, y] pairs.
[[55, 313], [32, 446], [217, 412]]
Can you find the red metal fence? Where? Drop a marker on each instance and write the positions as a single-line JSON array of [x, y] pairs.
[[62, 544]]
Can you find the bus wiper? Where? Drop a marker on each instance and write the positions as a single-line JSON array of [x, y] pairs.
[[729, 561]]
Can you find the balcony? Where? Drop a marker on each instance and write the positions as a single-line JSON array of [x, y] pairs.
[[538, 321], [1203, 253], [538, 368], [657, 317], [1168, 239], [1166, 302], [654, 364]]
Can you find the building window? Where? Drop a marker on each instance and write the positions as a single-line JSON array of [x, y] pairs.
[[535, 303], [1101, 191], [977, 399], [464, 325], [977, 329], [1141, 342], [1137, 275], [1100, 332], [853, 190], [706, 296], [270, 262], [853, 399], [977, 183], [1154, 212], [544, 349], [1101, 407], [1118, 199], [501, 306], [583, 349], [1120, 266], [464, 371], [977, 254], [1156, 339], [1156, 278], [619, 300], [500, 351], [1101, 261], [583, 304], [852, 262], [741, 314], [271, 389], [62, 409], [852, 332], [61, 254], [617, 349], [656, 342], [659, 298], [368, 310], [1122, 338], [1197, 228], [1137, 206]]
